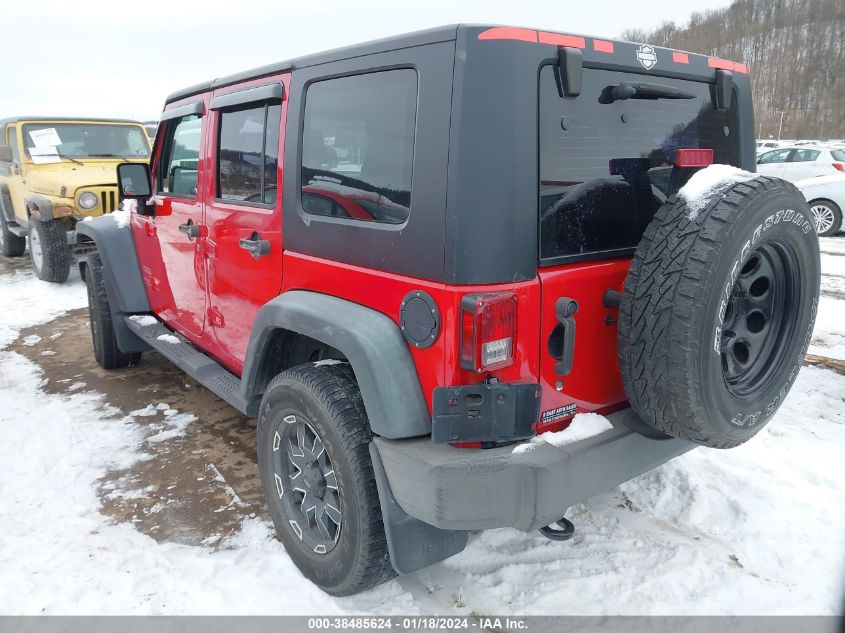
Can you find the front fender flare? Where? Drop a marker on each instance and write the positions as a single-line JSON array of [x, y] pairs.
[[370, 340], [122, 276]]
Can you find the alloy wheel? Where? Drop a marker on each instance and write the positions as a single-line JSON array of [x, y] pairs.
[[307, 484], [823, 217]]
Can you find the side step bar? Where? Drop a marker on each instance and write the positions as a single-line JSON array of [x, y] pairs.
[[206, 371]]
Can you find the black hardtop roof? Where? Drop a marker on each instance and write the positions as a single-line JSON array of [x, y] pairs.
[[417, 38], [64, 119]]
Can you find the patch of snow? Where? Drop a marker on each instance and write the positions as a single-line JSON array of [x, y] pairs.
[[709, 182], [31, 340], [327, 361], [161, 406], [48, 352], [146, 412], [122, 216], [56, 335], [143, 319], [169, 338], [169, 412], [583, 426], [76, 386], [178, 425]]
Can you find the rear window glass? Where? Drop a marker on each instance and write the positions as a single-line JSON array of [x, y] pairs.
[[838, 154], [605, 165], [358, 146]]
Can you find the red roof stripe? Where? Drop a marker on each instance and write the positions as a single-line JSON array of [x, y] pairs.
[[680, 58], [741, 68], [509, 33], [602, 46], [574, 41]]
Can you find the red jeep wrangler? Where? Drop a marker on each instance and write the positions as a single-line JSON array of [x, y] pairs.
[[408, 257]]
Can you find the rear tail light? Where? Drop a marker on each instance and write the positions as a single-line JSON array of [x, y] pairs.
[[693, 157], [839, 166], [488, 330]]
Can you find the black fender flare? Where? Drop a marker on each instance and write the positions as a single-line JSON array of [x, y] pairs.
[[121, 273], [370, 340], [39, 207]]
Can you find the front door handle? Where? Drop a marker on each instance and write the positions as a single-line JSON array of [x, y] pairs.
[[255, 245], [190, 229]]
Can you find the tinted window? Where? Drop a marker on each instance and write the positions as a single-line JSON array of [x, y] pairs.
[[606, 166], [778, 156], [177, 173], [804, 155], [837, 154], [358, 146], [247, 158]]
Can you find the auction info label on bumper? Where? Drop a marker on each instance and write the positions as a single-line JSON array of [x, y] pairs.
[[556, 414]]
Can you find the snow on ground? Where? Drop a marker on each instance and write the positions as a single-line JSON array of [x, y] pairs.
[[757, 529]]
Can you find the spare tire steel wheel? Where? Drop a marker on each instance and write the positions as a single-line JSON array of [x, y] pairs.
[[718, 311]]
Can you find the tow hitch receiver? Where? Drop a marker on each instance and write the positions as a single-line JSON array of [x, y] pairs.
[[563, 530]]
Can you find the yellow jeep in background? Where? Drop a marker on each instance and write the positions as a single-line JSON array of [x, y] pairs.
[[55, 172]]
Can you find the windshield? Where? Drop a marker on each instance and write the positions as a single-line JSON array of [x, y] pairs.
[[50, 142], [606, 165]]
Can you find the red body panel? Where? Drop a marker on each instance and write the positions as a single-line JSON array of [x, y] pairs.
[[594, 383]]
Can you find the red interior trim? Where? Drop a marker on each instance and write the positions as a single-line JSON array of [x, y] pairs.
[[680, 58], [602, 46], [724, 64]]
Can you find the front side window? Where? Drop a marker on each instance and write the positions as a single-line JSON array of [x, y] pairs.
[[179, 164], [358, 146], [778, 156], [12, 141], [85, 140], [606, 164], [248, 154]]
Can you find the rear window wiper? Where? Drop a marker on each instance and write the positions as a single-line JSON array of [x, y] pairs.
[[629, 89]]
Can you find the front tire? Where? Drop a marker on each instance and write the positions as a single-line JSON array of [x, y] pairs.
[[10, 244], [106, 351], [827, 216], [49, 251], [314, 461]]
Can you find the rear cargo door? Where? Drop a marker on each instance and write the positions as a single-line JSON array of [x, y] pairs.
[[606, 165]]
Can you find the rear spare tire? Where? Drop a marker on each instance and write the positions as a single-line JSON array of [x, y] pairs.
[[718, 310]]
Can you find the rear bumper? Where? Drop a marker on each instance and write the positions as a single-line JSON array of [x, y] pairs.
[[470, 489]]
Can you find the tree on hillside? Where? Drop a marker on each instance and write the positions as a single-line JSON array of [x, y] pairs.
[[795, 52]]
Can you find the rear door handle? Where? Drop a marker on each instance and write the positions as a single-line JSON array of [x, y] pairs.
[[190, 229], [255, 245], [565, 309]]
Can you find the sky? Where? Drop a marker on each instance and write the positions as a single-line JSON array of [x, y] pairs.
[[112, 58]]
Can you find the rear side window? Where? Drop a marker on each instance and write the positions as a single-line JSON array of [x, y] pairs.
[[248, 154], [837, 154], [778, 156], [358, 146], [804, 155], [179, 164], [606, 165]]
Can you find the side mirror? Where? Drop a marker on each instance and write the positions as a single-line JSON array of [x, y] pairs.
[[6, 154], [133, 181]]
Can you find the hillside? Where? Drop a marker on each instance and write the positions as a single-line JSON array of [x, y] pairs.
[[796, 55]]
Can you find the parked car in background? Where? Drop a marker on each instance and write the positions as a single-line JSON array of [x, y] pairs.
[[826, 197], [151, 127], [765, 146], [55, 172], [795, 163]]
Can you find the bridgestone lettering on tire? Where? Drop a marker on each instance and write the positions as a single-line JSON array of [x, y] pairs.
[[718, 312], [314, 461]]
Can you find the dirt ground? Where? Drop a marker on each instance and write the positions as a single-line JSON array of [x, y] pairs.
[[194, 488]]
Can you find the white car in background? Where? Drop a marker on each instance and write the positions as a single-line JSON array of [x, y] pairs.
[[796, 163], [826, 197]]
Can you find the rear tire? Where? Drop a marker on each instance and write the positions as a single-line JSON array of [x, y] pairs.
[[49, 250], [106, 351], [11, 245], [827, 216], [313, 448], [718, 311]]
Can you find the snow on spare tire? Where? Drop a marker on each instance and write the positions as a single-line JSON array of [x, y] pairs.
[[719, 306]]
